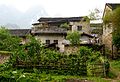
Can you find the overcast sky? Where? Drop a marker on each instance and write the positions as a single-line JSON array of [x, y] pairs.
[[60, 7]]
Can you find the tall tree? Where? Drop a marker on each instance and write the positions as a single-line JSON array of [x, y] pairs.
[[116, 27], [73, 37], [7, 42], [95, 14]]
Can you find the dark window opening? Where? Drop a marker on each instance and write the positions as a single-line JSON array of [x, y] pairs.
[[70, 27], [56, 41], [79, 28], [47, 41]]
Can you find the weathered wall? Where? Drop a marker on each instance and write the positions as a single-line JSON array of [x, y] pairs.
[[71, 49], [51, 37], [107, 32], [85, 26], [4, 58], [107, 40]]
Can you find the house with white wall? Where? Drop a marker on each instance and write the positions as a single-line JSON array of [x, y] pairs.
[[49, 31]]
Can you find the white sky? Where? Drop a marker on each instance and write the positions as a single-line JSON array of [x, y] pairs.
[[60, 7]]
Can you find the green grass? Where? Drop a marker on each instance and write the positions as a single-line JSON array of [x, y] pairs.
[[116, 65], [94, 79], [114, 71], [114, 68], [5, 52], [42, 77]]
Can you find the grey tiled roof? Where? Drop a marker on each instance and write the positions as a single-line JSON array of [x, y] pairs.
[[86, 34], [50, 30], [65, 19], [19, 32], [113, 5]]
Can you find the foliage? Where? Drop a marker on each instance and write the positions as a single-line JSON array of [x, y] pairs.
[[74, 64], [54, 62], [84, 51], [116, 65], [94, 61], [21, 76], [116, 26], [116, 39], [108, 17], [5, 53], [29, 52], [94, 15], [86, 19], [18, 76], [114, 68], [49, 62], [65, 25], [7, 42], [114, 18], [34, 54], [73, 37]]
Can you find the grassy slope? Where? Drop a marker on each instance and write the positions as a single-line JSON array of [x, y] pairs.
[[115, 69], [94, 79]]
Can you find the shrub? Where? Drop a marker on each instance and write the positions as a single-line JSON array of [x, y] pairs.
[[73, 37], [7, 41], [33, 55]]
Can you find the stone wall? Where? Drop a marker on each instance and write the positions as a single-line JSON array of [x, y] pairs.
[[85, 26], [4, 58], [70, 49], [107, 40]]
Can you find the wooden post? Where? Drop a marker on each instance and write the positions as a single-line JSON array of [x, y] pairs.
[[112, 51], [104, 51]]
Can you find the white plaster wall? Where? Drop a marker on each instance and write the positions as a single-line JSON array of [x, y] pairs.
[[52, 37]]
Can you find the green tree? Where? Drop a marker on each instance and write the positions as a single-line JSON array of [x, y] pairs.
[[29, 52], [73, 37], [64, 25], [113, 18], [7, 42], [108, 17], [95, 14], [116, 27]]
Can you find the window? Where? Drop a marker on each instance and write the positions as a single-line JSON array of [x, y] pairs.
[[79, 28], [70, 27], [47, 41], [56, 41]]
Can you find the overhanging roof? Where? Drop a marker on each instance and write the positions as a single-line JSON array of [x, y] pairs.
[[65, 19], [19, 32]]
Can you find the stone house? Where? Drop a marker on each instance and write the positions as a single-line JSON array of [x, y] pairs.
[[22, 33], [108, 29], [49, 30]]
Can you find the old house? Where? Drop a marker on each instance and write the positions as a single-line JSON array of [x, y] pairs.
[[54, 30], [22, 33], [85, 39], [107, 28]]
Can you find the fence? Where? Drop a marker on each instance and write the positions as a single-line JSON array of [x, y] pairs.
[[97, 69], [78, 68]]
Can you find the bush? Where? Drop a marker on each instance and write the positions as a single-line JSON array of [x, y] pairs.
[[28, 53], [33, 55], [7, 41]]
